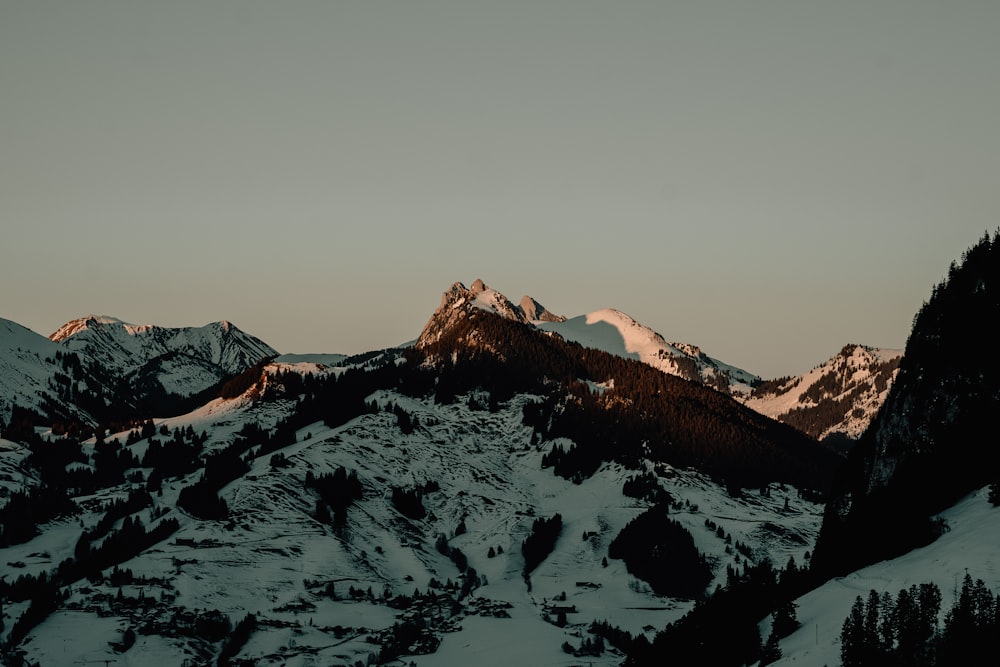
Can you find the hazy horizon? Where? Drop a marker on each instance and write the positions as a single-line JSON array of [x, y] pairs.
[[768, 181]]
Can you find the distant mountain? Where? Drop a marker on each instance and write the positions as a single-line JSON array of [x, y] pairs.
[[182, 360], [27, 365], [99, 369], [933, 440], [837, 399], [607, 330]]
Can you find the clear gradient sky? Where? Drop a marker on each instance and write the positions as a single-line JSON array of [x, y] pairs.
[[769, 180]]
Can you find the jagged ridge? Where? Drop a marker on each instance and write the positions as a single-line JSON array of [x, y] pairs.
[[608, 330]]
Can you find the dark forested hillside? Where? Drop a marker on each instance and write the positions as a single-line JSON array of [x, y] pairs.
[[933, 440], [619, 409]]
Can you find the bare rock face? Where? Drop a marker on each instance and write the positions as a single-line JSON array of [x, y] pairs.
[[536, 312], [458, 301]]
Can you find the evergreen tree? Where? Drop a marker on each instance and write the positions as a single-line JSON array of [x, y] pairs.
[[771, 651], [852, 650]]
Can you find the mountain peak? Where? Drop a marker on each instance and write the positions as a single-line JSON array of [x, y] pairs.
[[457, 301], [82, 323], [174, 354], [536, 312], [608, 329], [838, 397]]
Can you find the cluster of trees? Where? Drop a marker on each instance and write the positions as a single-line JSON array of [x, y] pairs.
[[646, 486], [407, 423], [410, 502], [540, 542], [735, 609], [117, 509], [117, 547], [201, 499], [774, 386], [46, 592], [661, 552], [881, 630], [337, 491], [588, 647], [45, 597], [622, 640], [181, 455], [28, 508], [58, 479], [406, 635], [237, 640], [470, 578]]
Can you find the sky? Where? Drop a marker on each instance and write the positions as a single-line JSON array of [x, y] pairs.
[[769, 180]]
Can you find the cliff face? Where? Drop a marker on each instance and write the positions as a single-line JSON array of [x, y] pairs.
[[458, 301]]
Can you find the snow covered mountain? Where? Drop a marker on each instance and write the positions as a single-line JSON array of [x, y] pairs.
[[835, 400], [607, 330], [97, 369], [967, 548], [466, 492], [615, 332], [427, 561], [459, 299], [515, 487], [183, 361], [27, 365], [839, 397]]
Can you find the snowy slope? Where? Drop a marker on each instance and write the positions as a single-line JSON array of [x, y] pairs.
[[968, 546], [615, 332], [27, 364], [268, 555], [841, 395]]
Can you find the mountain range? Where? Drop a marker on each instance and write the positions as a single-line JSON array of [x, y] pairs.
[[153, 368], [100, 369], [513, 486]]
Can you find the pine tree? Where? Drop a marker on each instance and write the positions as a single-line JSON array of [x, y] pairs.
[[852, 636], [785, 621], [771, 651]]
